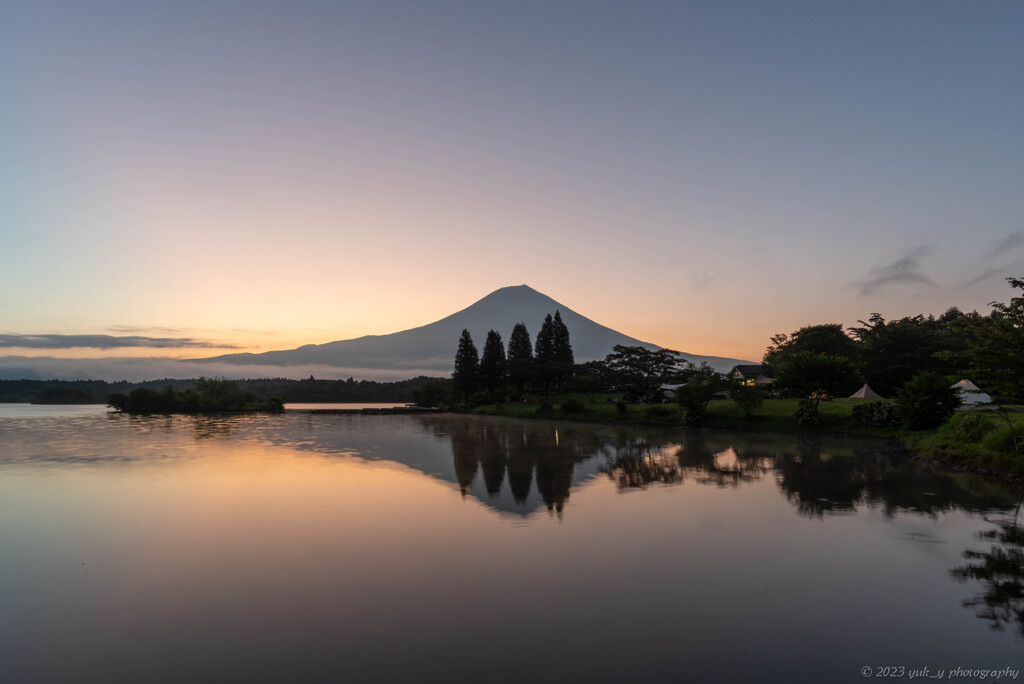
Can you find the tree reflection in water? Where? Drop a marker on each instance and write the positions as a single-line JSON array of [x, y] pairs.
[[1000, 570]]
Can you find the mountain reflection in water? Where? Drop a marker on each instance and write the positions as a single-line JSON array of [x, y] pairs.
[[321, 547]]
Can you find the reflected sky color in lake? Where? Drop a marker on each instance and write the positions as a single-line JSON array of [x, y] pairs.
[[450, 548]]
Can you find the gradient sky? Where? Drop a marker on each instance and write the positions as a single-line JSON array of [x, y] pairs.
[[262, 175]]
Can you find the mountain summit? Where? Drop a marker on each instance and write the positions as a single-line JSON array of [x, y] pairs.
[[432, 346]]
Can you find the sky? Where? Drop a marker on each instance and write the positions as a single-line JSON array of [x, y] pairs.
[[193, 178]]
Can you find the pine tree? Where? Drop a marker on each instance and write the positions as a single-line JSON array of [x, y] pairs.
[[544, 349], [562, 347], [493, 367], [520, 357], [467, 366]]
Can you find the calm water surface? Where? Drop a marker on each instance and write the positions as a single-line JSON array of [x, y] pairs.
[[351, 548]]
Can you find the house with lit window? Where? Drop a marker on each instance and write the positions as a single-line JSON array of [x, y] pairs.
[[755, 376]]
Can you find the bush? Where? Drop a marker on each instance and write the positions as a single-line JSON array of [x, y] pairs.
[[999, 439], [807, 412], [747, 397], [573, 406], [971, 427], [877, 414], [621, 407], [927, 401], [545, 408]]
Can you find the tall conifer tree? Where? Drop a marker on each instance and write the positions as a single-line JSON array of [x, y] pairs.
[[467, 366], [561, 346], [493, 367], [520, 357]]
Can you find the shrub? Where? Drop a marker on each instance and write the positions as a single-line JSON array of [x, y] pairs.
[[927, 401], [877, 414], [747, 397], [545, 408], [807, 412], [573, 406], [971, 427]]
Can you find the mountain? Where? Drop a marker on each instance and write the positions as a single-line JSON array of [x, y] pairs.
[[432, 346]]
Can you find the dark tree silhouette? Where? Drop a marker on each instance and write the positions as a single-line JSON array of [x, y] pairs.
[[520, 357], [493, 366], [467, 366]]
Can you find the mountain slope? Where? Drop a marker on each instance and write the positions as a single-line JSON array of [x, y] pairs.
[[433, 346]]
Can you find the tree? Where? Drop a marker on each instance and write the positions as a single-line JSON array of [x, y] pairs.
[[561, 346], [747, 397], [640, 369], [520, 357], [814, 377], [927, 401], [994, 354], [465, 376], [704, 383], [493, 366], [544, 353], [893, 352], [828, 339]]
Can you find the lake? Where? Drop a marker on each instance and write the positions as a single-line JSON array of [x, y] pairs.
[[448, 548]]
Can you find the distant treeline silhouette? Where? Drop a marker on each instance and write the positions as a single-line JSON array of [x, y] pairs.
[[307, 390]]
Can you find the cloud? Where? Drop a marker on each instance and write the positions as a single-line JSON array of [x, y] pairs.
[[104, 342], [136, 369], [903, 269], [984, 275], [703, 280], [1011, 241]]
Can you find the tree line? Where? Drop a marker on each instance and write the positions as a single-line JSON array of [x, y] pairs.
[[913, 359]]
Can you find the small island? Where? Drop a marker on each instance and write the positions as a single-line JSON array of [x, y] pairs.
[[207, 395]]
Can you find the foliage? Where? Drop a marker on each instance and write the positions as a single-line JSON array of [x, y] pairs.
[[926, 401], [493, 366], [544, 348], [573, 406], [704, 383], [520, 357], [467, 367], [62, 394], [747, 397], [640, 369], [208, 395], [827, 339], [561, 345], [807, 412], [816, 376], [877, 414], [994, 353], [892, 352], [436, 394]]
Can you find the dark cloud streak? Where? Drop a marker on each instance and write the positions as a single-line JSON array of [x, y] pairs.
[[903, 269], [105, 342]]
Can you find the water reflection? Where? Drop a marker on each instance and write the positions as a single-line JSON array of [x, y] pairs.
[[334, 540], [1000, 571]]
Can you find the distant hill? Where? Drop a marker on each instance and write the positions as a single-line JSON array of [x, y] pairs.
[[432, 346]]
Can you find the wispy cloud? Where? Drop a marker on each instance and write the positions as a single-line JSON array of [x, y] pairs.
[[901, 270], [702, 280], [1015, 239], [984, 275], [105, 342]]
